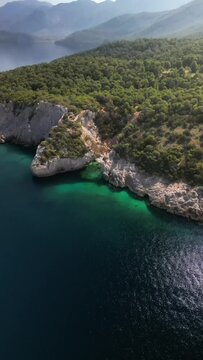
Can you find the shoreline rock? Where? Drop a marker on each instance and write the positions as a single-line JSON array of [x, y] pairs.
[[176, 198], [58, 166], [91, 139], [28, 124]]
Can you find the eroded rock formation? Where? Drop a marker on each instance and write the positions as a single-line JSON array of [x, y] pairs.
[[175, 197], [32, 124], [61, 163], [28, 125]]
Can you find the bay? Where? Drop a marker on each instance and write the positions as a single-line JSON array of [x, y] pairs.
[[16, 55]]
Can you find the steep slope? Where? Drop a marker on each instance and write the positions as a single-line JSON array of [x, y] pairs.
[[29, 124], [179, 20], [77, 15], [14, 13], [65, 18], [194, 31], [43, 19], [185, 20], [121, 27]]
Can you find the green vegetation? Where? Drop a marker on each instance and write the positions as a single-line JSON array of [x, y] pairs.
[[64, 141], [148, 93]]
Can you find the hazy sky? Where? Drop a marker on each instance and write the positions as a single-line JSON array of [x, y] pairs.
[[2, 2], [65, 1]]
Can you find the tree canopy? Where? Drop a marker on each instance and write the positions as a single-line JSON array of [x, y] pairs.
[[147, 93]]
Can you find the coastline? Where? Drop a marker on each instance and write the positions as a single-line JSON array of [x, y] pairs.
[[176, 198], [32, 124]]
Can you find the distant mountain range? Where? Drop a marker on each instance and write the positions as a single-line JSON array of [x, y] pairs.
[[14, 15], [184, 21], [84, 24], [135, 6], [44, 19]]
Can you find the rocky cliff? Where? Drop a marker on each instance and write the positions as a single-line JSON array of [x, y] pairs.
[[32, 124], [175, 197], [28, 125], [58, 165], [71, 128]]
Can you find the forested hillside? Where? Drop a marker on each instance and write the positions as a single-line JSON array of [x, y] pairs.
[[148, 95]]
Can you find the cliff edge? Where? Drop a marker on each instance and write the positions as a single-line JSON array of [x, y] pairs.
[[28, 124], [177, 198], [71, 145], [67, 143]]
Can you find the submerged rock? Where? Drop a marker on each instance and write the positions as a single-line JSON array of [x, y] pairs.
[[92, 172]]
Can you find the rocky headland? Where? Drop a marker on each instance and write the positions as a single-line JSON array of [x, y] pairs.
[[177, 198], [44, 124], [62, 159]]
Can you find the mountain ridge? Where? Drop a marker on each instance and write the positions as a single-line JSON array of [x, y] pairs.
[[178, 22], [45, 19]]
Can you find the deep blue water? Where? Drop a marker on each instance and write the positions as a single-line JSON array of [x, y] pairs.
[[89, 273]]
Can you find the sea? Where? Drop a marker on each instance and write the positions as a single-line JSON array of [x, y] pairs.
[[89, 272]]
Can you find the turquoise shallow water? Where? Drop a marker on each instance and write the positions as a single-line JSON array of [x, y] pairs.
[[90, 273]]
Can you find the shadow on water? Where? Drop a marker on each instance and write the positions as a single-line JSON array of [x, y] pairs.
[[20, 149]]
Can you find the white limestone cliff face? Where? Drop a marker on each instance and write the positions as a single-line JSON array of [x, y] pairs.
[[175, 197], [90, 134], [28, 125], [58, 165]]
